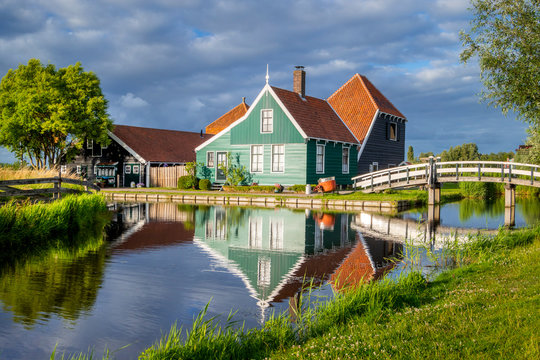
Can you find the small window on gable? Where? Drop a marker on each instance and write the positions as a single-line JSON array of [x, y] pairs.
[[393, 131], [267, 120]]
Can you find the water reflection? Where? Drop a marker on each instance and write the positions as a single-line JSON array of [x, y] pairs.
[[62, 282]]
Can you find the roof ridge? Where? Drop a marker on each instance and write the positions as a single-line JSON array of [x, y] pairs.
[[361, 78], [342, 86], [150, 128]]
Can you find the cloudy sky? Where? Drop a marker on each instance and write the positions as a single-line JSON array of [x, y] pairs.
[[180, 64]]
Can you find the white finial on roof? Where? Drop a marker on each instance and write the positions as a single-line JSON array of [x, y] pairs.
[[267, 76]]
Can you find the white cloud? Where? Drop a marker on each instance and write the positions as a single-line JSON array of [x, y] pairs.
[[131, 101]]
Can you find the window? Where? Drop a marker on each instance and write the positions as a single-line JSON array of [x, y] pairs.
[[345, 160], [267, 120], [257, 158], [263, 271], [210, 159], [276, 234], [392, 131], [255, 233], [79, 170], [278, 158], [374, 167], [89, 144], [128, 169], [320, 159], [135, 169], [63, 169]]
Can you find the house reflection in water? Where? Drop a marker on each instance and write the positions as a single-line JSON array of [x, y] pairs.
[[275, 251]]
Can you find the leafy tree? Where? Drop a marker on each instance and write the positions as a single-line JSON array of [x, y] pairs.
[[505, 35], [410, 154], [46, 114], [532, 153], [465, 152]]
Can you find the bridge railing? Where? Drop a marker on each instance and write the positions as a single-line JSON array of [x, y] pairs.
[[450, 171], [409, 174]]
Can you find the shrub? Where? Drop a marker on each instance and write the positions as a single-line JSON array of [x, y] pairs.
[[204, 184], [187, 182], [480, 190]]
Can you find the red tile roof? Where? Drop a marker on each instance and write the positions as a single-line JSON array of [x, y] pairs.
[[357, 101], [315, 116], [160, 145], [228, 118]]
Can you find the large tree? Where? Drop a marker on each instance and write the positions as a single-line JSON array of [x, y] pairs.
[[46, 114], [505, 36]]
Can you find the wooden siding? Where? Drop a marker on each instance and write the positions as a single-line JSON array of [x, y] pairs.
[[295, 162], [249, 130], [166, 176], [380, 149], [332, 163]]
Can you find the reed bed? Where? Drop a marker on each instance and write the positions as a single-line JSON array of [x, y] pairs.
[[26, 173], [28, 228]]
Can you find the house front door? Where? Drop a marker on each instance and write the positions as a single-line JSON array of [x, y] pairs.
[[132, 174], [221, 162]]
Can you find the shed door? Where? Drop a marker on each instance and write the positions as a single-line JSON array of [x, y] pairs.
[[221, 161], [132, 174]]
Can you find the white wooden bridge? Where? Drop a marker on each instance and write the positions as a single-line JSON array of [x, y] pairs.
[[431, 175]]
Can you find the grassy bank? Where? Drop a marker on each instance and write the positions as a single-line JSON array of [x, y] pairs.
[[487, 308], [28, 228]]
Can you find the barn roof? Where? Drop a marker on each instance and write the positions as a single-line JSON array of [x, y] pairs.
[[158, 145], [228, 118], [357, 102]]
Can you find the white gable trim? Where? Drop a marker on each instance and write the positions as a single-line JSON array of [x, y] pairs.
[[291, 118], [125, 146], [224, 131], [368, 133]]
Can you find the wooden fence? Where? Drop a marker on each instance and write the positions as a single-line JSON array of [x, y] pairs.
[[7, 186], [166, 176]]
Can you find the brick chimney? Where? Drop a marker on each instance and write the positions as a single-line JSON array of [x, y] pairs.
[[299, 81]]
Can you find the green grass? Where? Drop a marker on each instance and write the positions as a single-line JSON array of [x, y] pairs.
[[487, 308], [28, 228]]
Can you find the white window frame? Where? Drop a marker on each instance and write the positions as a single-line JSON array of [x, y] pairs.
[[255, 237], [264, 271], [345, 167], [281, 159], [374, 166], [213, 154], [89, 144], [63, 169], [127, 169], [267, 128], [79, 169], [261, 162], [136, 169], [276, 234], [323, 147]]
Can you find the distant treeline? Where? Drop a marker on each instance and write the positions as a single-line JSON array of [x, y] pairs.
[[465, 152]]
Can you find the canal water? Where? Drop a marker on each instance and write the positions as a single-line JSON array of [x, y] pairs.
[[164, 262]]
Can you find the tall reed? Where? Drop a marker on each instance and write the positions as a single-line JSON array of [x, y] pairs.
[[28, 228]]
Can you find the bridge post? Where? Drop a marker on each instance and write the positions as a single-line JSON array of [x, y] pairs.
[[509, 205], [509, 195], [434, 193]]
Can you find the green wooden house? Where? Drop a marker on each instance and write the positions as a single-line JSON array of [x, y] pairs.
[[285, 137]]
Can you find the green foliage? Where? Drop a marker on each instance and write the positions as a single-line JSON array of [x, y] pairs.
[[235, 173], [300, 188], [410, 154], [187, 182], [204, 184], [252, 188], [425, 154], [480, 190], [465, 152], [29, 228], [505, 36], [46, 114]]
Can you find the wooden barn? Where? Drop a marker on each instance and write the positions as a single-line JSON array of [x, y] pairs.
[[138, 156]]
